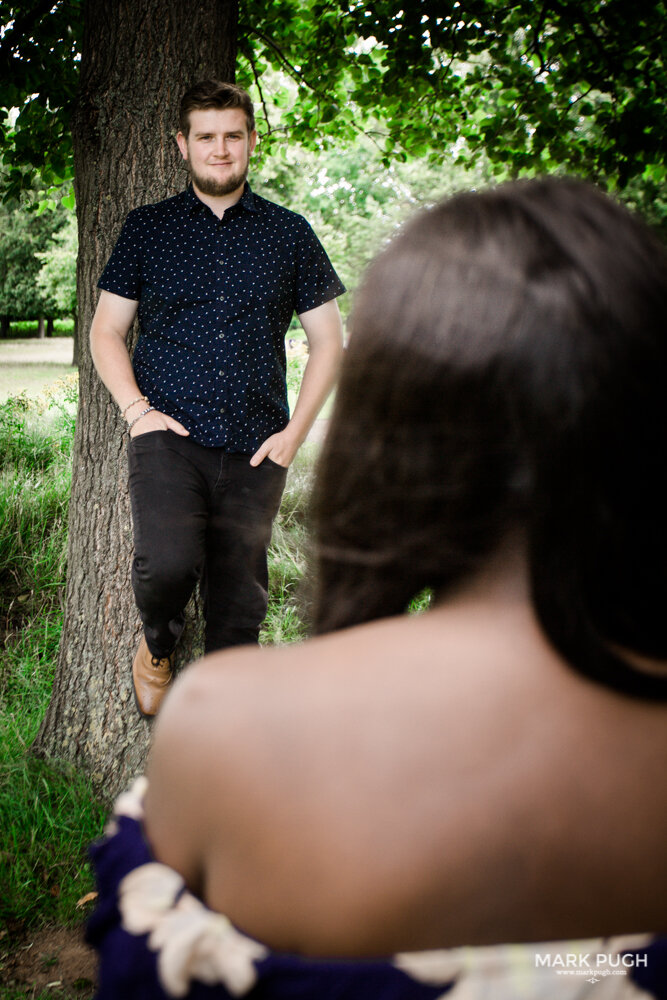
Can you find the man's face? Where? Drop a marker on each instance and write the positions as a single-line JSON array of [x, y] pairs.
[[217, 150]]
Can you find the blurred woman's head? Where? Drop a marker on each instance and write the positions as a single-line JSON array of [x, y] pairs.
[[506, 373]]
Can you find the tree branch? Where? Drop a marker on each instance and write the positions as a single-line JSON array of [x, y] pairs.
[[261, 92], [293, 71], [536, 47]]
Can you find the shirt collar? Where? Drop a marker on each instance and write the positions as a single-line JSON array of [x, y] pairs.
[[246, 201]]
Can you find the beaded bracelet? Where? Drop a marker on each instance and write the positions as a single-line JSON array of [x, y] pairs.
[[142, 414], [139, 399]]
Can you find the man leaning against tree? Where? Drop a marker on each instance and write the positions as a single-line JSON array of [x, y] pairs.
[[216, 274]]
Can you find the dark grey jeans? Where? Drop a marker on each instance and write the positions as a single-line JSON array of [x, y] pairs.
[[200, 514]]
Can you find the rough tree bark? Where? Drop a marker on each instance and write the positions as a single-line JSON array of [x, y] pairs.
[[75, 339], [138, 58]]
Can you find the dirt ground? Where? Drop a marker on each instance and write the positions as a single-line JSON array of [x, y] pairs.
[[54, 960]]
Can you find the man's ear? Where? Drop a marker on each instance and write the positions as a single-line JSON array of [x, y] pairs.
[[182, 144], [252, 142]]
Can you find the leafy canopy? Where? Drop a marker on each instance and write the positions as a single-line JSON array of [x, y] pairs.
[[39, 61], [577, 84], [352, 200]]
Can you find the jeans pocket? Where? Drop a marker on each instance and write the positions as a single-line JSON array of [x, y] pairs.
[[276, 465], [150, 439], [147, 434]]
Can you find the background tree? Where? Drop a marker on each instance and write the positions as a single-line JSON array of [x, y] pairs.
[[578, 84], [57, 274], [353, 199], [23, 234]]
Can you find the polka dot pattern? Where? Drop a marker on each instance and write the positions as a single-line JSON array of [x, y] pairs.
[[216, 297]]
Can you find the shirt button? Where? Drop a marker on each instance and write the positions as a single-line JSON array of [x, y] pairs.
[[222, 409], [221, 262], [221, 372], [221, 297], [221, 336]]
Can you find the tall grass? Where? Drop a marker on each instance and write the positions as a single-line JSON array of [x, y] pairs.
[[287, 556], [35, 451], [48, 813]]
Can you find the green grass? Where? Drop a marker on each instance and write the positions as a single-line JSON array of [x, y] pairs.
[[50, 818], [49, 814], [287, 555], [30, 328]]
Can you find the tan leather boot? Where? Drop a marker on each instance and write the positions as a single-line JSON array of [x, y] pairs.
[[152, 677]]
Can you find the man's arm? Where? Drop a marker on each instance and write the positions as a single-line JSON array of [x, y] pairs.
[[324, 331], [108, 345]]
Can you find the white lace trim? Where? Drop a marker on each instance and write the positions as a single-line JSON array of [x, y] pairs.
[[191, 941]]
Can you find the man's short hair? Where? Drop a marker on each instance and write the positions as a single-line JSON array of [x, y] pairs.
[[213, 94]]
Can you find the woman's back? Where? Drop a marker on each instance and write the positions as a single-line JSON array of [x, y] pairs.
[[415, 782]]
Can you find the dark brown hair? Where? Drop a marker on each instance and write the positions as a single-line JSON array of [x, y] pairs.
[[507, 369], [213, 94]]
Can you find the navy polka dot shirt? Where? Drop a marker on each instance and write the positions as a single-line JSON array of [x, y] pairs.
[[216, 297]]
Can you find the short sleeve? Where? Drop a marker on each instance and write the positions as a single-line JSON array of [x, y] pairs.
[[122, 274], [317, 281]]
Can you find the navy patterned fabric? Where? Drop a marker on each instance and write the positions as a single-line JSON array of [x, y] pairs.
[[216, 297], [157, 941]]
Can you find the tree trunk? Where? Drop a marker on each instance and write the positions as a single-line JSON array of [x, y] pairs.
[[137, 60], [41, 328], [49, 326], [75, 340], [4, 326]]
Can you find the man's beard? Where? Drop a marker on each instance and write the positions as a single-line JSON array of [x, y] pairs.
[[216, 188]]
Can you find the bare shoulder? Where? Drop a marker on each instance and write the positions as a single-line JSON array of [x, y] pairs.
[[273, 767], [216, 750], [202, 739], [411, 783]]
